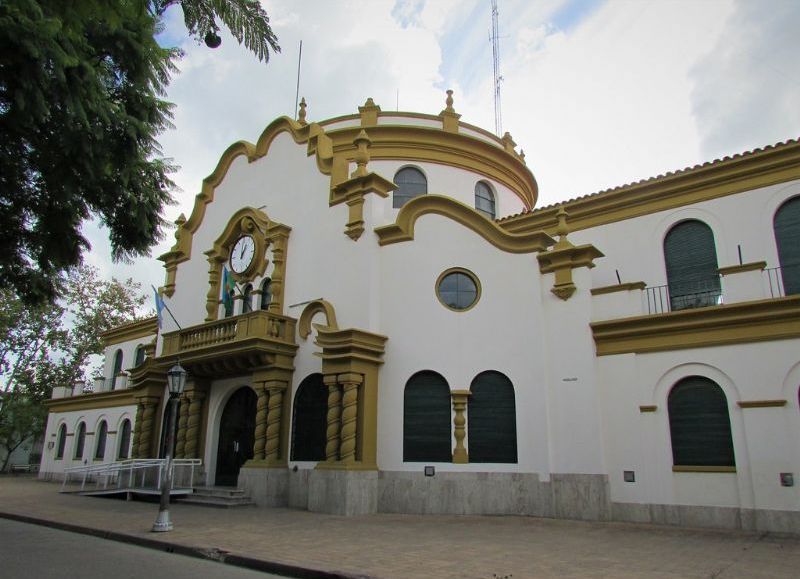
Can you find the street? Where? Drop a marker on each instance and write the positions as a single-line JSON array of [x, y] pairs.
[[33, 551]]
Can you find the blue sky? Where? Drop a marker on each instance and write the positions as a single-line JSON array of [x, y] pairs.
[[597, 93]]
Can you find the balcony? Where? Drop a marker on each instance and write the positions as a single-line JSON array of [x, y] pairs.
[[701, 294], [784, 281], [236, 343]]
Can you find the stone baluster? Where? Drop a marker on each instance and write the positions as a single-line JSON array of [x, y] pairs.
[[260, 443], [274, 416], [460, 405], [350, 383], [193, 424], [334, 418]]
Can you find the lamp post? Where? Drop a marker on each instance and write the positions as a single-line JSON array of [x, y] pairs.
[[176, 381]]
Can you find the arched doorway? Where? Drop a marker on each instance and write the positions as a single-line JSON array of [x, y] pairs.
[[236, 436]]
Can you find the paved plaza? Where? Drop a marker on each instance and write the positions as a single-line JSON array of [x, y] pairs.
[[411, 546]]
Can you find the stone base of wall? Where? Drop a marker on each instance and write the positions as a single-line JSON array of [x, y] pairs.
[[343, 492], [568, 496], [268, 487], [704, 516]]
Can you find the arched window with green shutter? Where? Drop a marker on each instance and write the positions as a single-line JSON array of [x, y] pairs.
[[80, 440], [690, 256], [102, 436], [62, 441], [787, 237], [310, 419], [426, 419], [492, 419], [117, 368], [699, 424], [124, 440]]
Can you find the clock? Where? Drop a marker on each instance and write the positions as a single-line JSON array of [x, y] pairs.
[[242, 254]]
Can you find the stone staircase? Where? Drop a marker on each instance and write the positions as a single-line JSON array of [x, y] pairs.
[[218, 497]]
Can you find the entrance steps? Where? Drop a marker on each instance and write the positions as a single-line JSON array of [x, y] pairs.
[[218, 497]]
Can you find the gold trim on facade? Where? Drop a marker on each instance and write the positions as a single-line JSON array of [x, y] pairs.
[[683, 468], [92, 401], [131, 331], [728, 176], [741, 268], [772, 319], [312, 309], [622, 287], [761, 403], [644, 408], [403, 227]]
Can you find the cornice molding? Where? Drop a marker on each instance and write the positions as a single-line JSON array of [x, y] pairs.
[[92, 401], [745, 267], [761, 403], [403, 228], [621, 287], [772, 319], [131, 331], [728, 176]]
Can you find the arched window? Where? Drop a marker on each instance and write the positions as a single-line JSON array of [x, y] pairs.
[[102, 435], [80, 440], [492, 419], [247, 299], [266, 293], [699, 425], [484, 199], [124, 440], [139, 359], [426, 419], [410, 183], [62, 441], [787, 237], [117, 368], [310, 419], [692, 271]]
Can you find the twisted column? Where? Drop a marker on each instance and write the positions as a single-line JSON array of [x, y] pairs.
[[146, 436], [274, 416], [183, 419], [460, 405], [334, 418], [260, 443], [137, 430], [193, 424], [347, 450]]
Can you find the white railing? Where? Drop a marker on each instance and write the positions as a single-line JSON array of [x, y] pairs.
[[141, 474]]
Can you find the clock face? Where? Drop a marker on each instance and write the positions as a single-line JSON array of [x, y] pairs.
[[243, 253]]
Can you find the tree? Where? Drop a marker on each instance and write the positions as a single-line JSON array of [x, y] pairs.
[[52, 344], [81, 87]]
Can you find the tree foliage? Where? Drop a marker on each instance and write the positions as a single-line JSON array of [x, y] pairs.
[[81, 87], [52, 344]]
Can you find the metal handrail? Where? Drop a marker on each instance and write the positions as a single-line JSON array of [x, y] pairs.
[[777, 279], [115, 472], [663, 298]]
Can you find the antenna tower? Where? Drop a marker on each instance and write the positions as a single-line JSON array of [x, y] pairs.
[[495, 38]]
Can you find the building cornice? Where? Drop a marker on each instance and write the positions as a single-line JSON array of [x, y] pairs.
[[96, 400], [772, 319], [744, 172], [132, 331]]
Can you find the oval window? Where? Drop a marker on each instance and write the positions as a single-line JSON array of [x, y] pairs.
[[458, 289]]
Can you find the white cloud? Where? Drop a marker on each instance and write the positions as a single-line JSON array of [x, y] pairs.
[[624, 91]]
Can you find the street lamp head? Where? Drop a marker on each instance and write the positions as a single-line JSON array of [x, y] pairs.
[[176, 380]]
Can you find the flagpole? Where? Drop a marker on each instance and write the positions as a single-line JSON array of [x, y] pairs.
[[169, 311]]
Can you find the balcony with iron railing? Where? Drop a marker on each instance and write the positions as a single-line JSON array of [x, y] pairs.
[[737, 284]]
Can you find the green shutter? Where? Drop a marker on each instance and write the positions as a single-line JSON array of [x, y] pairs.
[[310, 419], [699, 425], [426, 419], [787, 238], [691, 261], [492, 419]]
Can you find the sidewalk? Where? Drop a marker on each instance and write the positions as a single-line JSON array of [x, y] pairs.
[[410, 546]]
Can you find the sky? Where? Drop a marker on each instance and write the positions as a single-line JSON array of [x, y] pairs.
[[598, 93]]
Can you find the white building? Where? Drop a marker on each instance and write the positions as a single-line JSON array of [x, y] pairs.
[[628, 355]]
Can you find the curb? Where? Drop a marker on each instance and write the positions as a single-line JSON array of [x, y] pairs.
[[217, 555]]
